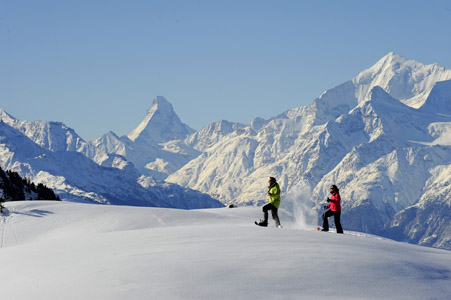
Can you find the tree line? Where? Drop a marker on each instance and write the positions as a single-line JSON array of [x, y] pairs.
[[13, 188]]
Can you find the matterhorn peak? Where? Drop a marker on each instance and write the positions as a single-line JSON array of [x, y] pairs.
[[160, 124]]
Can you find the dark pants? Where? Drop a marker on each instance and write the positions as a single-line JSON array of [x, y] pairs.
[[336, 215], [273, 210]]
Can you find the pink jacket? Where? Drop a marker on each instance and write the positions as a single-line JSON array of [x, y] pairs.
[[335, 202]]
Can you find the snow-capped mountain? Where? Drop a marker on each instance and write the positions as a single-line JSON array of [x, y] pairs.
[[383, 137], [380, 137], [161, 124], [53, 136], [154, 147], [75, 177], [406, 80]]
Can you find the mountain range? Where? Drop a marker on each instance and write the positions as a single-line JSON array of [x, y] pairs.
[[52, 154], [383, 137]]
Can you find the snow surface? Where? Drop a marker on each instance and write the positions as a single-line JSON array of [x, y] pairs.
[[61, 250], [383, 137]]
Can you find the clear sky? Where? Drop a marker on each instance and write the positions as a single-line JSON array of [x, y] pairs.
[[97, 65]]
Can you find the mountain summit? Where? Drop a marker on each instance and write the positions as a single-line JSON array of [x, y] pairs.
[[406, 80], [161, 124]]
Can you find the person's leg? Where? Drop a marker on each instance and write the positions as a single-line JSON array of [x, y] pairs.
[[328, 213], [275, 216], [337, 215], [265, 209]]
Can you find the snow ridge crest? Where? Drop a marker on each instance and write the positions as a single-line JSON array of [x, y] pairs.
[[160, 124]]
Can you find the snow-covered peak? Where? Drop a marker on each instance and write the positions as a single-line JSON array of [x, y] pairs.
[[53, 136], [439, 99], [160, 124], [162, 104], [380, 96], [5, 117], [99, 150], [14, 142], [389, 60], [406, 80], [380, 69]]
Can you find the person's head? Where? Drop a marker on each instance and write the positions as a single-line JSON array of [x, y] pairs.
[[271, 180], [334, 189]]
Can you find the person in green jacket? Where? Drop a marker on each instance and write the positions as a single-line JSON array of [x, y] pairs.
[[273, 205]]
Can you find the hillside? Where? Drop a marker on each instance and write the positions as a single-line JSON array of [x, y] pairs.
[[82, 251]]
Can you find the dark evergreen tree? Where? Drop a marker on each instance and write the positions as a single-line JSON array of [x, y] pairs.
[[44, 193], [1, 204], [13, 187]]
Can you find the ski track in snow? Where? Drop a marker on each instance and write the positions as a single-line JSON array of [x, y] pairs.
[[6, 223], [3, 231]]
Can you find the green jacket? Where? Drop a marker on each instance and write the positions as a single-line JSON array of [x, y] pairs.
[[274, 194]]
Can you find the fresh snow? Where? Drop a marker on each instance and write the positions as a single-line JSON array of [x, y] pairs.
[[61, 250], [382, 137]]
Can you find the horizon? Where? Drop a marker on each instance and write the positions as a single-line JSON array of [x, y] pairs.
[[97, 67]]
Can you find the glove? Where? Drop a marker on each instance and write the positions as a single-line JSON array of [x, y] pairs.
[[328, 200]]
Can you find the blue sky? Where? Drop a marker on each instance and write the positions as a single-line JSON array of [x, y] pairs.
[[97, 65]]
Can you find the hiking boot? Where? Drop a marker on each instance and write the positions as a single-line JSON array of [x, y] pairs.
[[263, 223]]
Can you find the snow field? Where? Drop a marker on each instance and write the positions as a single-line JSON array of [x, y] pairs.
[[60, 250]]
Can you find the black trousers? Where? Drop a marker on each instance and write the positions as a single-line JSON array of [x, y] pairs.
[[336, 214], [273, 210]]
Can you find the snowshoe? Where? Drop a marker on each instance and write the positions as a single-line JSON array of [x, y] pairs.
[[262, 223]]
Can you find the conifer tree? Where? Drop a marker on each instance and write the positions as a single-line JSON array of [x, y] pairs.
[[13, 187], [1, 204]]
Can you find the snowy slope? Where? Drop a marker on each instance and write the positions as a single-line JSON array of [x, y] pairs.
[[366, 135], [78, 251]]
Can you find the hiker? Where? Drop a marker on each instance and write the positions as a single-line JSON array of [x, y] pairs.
[[273, 204], [333, 209]]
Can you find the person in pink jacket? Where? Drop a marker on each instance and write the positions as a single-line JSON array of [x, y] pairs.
[[333, 209]]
